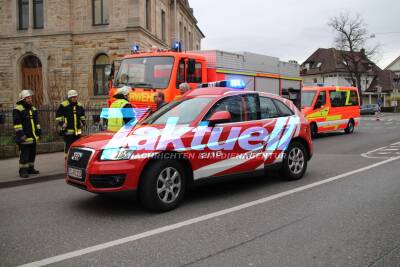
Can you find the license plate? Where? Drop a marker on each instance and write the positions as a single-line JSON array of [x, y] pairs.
[[75, 173]]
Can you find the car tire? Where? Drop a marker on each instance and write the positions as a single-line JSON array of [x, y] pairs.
[[162, 186], [294, 162], [314, 129], [350, 127]]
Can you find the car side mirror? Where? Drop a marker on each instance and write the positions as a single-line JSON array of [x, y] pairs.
[[220, 117]]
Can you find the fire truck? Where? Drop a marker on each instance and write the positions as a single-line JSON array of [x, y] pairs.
[[164, 70]]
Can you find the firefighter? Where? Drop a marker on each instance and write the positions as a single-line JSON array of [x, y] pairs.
[[121, 111], [71, 118], [27, 130], [184, 88], [159, 98]]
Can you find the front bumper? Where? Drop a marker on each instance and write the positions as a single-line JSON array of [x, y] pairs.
[[106, 176]]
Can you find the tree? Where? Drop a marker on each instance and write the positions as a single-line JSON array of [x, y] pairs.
[[351, 39]]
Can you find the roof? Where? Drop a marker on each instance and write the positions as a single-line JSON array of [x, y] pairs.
[[386, 79], [328, 60]]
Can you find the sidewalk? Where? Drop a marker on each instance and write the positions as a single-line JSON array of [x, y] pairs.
[[51, 166]]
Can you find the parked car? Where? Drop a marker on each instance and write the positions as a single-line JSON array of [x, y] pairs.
[[369, 109], [209, 133]]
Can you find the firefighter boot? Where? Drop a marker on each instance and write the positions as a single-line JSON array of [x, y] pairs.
[[23, 173], [32, 170]]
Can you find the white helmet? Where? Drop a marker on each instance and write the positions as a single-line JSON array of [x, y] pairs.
[[72, 93], [24, 94], [123, 90]]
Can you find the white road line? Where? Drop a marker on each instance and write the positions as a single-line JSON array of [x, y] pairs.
[[203, 218]]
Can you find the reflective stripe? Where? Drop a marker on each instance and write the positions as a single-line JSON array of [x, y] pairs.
[[75, 121], [33, 124], [18, 127], [83, 118], [38, 126], [23, 165], [59, 118], [116, 122]]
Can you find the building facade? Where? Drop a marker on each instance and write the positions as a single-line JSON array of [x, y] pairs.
[[53, 46]]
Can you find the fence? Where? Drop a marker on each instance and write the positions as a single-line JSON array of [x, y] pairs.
[[47, 117]]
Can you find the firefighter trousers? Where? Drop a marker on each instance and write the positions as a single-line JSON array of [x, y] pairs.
[[27, 156], [68, 140]]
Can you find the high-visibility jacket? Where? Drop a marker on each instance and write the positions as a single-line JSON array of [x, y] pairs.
[[119, 114], [26, 123], [73, 115]]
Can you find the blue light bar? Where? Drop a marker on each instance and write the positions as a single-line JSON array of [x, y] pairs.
[[177, 47], [135, 48], [236, 84]]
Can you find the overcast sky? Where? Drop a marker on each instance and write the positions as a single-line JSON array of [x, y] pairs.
[[293, 29]]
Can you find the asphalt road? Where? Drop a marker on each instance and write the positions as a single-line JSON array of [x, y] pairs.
[[350, 220]]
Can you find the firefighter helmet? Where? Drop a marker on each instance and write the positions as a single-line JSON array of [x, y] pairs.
[[24, 94], [72, 93], [123, 90]]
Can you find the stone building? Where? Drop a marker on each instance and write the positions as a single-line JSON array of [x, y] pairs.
[[53, 46]]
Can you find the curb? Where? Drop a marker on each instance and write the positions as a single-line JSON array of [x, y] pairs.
[[35, 180]]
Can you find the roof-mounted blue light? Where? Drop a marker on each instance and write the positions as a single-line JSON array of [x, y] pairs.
[[177, 47], [234, 84], [135, 48]]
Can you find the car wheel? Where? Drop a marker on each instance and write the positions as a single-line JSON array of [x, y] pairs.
[[350, 127], [314, 129], [295, 161], [162, 186]]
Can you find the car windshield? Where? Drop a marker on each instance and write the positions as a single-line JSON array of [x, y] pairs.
[[307, 98], [145, 72], [185, 110]]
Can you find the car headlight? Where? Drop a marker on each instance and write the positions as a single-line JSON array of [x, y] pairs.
[[117, 153]]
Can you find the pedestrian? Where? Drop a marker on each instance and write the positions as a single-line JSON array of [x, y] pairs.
[[184, 88], [27, 131], [71, 119], [159, 99], [121, 111]]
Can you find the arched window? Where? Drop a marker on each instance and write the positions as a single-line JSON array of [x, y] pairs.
[[100, 79]]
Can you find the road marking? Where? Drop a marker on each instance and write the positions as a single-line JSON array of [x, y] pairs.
[[167, 228], [380, 151]]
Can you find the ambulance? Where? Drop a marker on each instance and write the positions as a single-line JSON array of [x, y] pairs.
[[149, 72], [331, 108]]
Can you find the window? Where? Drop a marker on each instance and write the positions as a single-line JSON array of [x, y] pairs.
[[315, 80], [181, 73], [163, 26], [196, 76], [38, 14], [338, 98], [232, 104], [148, 15], [284, 111], [145, 72], [353, 101], [190, 41], [23, 11], [180, 31], [251, 101], [100, 80], [321, 100], [185, 38], [267, 108], [100, 12], [307, 98]]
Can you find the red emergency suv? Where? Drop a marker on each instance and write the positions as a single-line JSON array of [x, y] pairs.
[[209, 133]]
